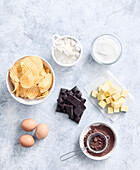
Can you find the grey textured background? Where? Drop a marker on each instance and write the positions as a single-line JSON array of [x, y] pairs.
[[26, 28]]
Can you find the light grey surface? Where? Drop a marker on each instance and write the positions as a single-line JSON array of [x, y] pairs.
[[26, 28]]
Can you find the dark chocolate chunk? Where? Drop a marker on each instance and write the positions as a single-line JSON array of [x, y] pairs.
[[69, 111], [83, 100], [75, 89], [74, 100], [70, 93], [78, 95], [63, 91], [64, 96], [79, 110], [58, 108], [60, 100], [77, 119], [63, 107]]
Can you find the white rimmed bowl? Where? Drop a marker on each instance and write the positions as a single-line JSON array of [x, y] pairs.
[[109, 36], [55, 38], [10, 86], [81, 141]]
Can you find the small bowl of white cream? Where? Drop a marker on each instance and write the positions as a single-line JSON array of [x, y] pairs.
[[66, 50], [106, 49]]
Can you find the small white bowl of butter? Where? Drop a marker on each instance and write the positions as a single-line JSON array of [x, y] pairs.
[[66, 50], [106, 49]]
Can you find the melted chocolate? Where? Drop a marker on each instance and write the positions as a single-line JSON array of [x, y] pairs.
[[106, 131]]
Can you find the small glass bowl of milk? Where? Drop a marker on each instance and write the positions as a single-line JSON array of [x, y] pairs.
[[106, 49]]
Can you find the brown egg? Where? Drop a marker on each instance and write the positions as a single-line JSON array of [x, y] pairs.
[[28, 124], [26, 141], [42, 131]]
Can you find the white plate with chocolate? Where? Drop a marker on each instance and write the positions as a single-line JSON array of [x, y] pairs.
[[98, 142]]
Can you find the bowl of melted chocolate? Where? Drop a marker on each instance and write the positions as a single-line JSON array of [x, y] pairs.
[[102, 141]]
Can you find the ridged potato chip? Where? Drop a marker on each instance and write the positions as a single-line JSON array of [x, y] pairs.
[[19, 69], [30, 66], [23, 92], [27, 80], [33, 92], [14, 74], [47, 81], [43, 95], [17, 91], [16, 85], [37, 61]]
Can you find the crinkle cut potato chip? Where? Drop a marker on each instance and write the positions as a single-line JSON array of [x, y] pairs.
[[38, 62], [19, 69], [35, 60], [33, 92], [31, 79], [47, 81], [16, 85], [27, 80], [14, 74], [30, 66], [43, 95]]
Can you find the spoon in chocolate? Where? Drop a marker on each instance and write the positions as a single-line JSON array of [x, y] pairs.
[[96, 142]]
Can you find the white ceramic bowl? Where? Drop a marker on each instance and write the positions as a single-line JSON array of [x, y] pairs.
[[81, 141], [58, 37], [28, 101]]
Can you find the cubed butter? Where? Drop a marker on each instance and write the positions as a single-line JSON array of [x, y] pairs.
[[94, 93], [99, 89], [107, 94], [108, 100], [109, 83], [116, 103], [117, 88], [116, 96], [124, 108], [104, 89], [124, 93], [110, 110], [103, 96], [102, 104], [112, 90], [99, 96], [116, 110], [122, 100]]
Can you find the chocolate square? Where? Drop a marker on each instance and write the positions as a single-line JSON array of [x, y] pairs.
[[74, 100]]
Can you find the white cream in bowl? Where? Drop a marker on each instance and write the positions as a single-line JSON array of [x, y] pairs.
[[106, 49]]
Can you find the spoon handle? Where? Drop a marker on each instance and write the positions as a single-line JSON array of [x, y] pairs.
[[71, 154]]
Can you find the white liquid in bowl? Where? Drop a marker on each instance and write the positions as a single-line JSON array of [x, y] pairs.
[[106, 49]]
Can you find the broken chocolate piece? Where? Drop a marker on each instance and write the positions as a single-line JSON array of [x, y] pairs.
[[69, 111], [70, 93], [59, 109], [72, 103], [63, 91], [75, 89], [60, 100], [79, 110], [74, 100], [77, 119], [78, 95], [83, 100]]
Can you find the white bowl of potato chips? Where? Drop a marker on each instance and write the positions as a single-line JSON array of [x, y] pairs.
[[30, 80]]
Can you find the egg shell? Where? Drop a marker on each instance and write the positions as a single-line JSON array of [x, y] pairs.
[[26, 141], [28, 124], [42, 131]]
